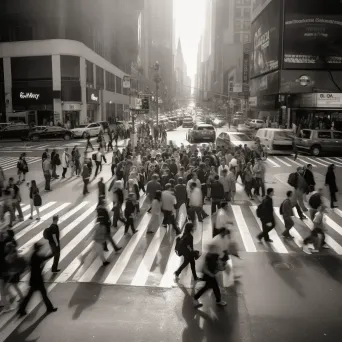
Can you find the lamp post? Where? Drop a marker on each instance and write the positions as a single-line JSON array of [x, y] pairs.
[[157, 79]]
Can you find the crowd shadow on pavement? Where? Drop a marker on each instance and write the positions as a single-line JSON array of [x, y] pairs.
[[84, 297], [332, 264], [24, 335], [219, 324]]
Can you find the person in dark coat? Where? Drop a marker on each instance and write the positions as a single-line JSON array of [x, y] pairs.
[[267, 217], [309, 178], [37, 280], [102, 189], [330, 180], [217, 194]]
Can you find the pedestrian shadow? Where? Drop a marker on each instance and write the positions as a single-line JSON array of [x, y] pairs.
[[218, 325], [84, 297], [285, 274], [23, 335], [332, 264]]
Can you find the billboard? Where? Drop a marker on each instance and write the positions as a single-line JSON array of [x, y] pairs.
[[265, 40], [312, 34]]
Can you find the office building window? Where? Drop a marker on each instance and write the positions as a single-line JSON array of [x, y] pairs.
[[90, 74], [246, 38], [70, 68], [246, 25], [246, 2], [99, 78], [247, 13], [118, 85], [238, 25], [238, 12], [110, 81]]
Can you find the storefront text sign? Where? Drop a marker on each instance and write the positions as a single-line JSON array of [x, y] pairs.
[[29, 96], [330, 100]]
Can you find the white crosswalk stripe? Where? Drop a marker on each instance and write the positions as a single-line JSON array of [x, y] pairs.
[[8, 163], [129, 268]]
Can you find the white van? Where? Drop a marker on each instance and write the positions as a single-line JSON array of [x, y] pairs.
[[276, 140]]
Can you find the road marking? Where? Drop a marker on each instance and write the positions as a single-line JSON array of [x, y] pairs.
[[115, 273], [277, 244], [244, 231], [306, 162], [171, 266], [293, 161], [334, 162], [272, 162], [286, 164], [315, 161], [143, 271]]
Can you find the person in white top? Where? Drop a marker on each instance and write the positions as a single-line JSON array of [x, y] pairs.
[[222, 167], [222, 218], [98, 161], [195, 180], [65, 161], [196, 203]]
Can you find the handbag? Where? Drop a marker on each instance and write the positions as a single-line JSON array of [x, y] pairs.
[[37, 200]]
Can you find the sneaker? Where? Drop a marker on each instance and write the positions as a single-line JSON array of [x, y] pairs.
[[325, 246], [221, 303], [106, 263], [38, 218], [51, 310], [306, 250], [197, 304]]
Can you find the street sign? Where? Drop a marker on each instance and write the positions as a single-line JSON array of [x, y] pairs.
[[126, 82]]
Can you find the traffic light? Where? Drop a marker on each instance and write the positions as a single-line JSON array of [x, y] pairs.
[[145, 104]]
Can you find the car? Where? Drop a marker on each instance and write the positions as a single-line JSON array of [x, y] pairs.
[[256, 123], [202, 133], [242, 128], [18, 131], [276, 140], [188, 122], [49, 132], [93, 129], [233, 139], [4, 124], [319, 141]]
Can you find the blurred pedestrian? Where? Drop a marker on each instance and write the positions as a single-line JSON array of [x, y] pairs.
[[51, 234], [330, 181]]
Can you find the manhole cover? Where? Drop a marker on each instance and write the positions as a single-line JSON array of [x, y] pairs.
[[283, 266]]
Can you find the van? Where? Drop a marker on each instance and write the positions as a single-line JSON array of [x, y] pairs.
[[276, 140]]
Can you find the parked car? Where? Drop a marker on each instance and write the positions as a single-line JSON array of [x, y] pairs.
[[256, 123], [49, 132], [276, 140], [319, 141], [201, 133], [81, 131], [242, 128], [233, 139], [18, 131], [188, 122]]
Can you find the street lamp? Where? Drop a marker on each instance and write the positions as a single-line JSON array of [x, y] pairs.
[[157, 79]]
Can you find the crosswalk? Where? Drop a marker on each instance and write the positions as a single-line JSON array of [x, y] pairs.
[[148, 260], [288, 161], [8, 163]]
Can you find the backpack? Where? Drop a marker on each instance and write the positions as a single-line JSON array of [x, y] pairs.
[[93, 157], [259, 210], [179, 248], [292, 180], [281, 209], [57, 159], [46, 234]]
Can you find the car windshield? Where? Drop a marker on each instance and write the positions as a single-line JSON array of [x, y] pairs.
[[239, 137], [305, 134], [283, 135], [82, 126], [205, 128]]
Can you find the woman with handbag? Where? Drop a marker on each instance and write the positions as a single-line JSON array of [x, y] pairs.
[[186, 250], [35, 199]]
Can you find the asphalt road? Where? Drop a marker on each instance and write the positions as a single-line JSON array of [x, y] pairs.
[[275, 293]]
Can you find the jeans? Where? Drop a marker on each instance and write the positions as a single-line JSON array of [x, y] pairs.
[[54, 167], [47, 176], [188, 259], [90, 145], [41, 288], [129, 224], [169, 218], [210, 283], [98, 166], [64, 171], [259, 184], [85, 186], [16, 205], [56, 251], [198, 211]]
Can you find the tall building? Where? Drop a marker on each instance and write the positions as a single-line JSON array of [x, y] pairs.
[[64, 60], [183, 81]]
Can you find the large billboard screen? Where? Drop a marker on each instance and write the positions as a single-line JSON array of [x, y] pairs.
[[312, 34], [265, 40]]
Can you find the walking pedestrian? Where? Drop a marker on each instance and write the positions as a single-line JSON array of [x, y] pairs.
[[186, 250], [86, 177], [98, 161], [330, 181], [118, 199], [168, 201], [55, 161], [2, 180], [65, 162], [102, 189], [51, 234], [37, 280], [287, 212], [265, 213], [35, 199], [16, 199], [130, 212], [22, 167], [155, 220], [315, 201], [47, 172], [212, 265], [87, 136]]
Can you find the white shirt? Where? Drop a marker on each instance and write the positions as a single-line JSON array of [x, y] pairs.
[[195, 198], [221, 244], [222, 219], [198, 184], [233, 163], [221, 168]]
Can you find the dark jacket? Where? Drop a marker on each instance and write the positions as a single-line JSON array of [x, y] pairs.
[[188, 244], [53, 230], [315, 201], [181, 194], [217, 190], [102, 189], [330, 180], [309, 178], [130, 208], [267, 210], [120, 195], [103, 215], [201, 176]]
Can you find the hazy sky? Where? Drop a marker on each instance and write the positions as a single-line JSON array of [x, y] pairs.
[[189, 16]]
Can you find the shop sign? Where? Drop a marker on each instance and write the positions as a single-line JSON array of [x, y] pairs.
[[71, 107], [329, 100], [126, 82], [253, 101], [33, 96], [29, 96], [92, 95]]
